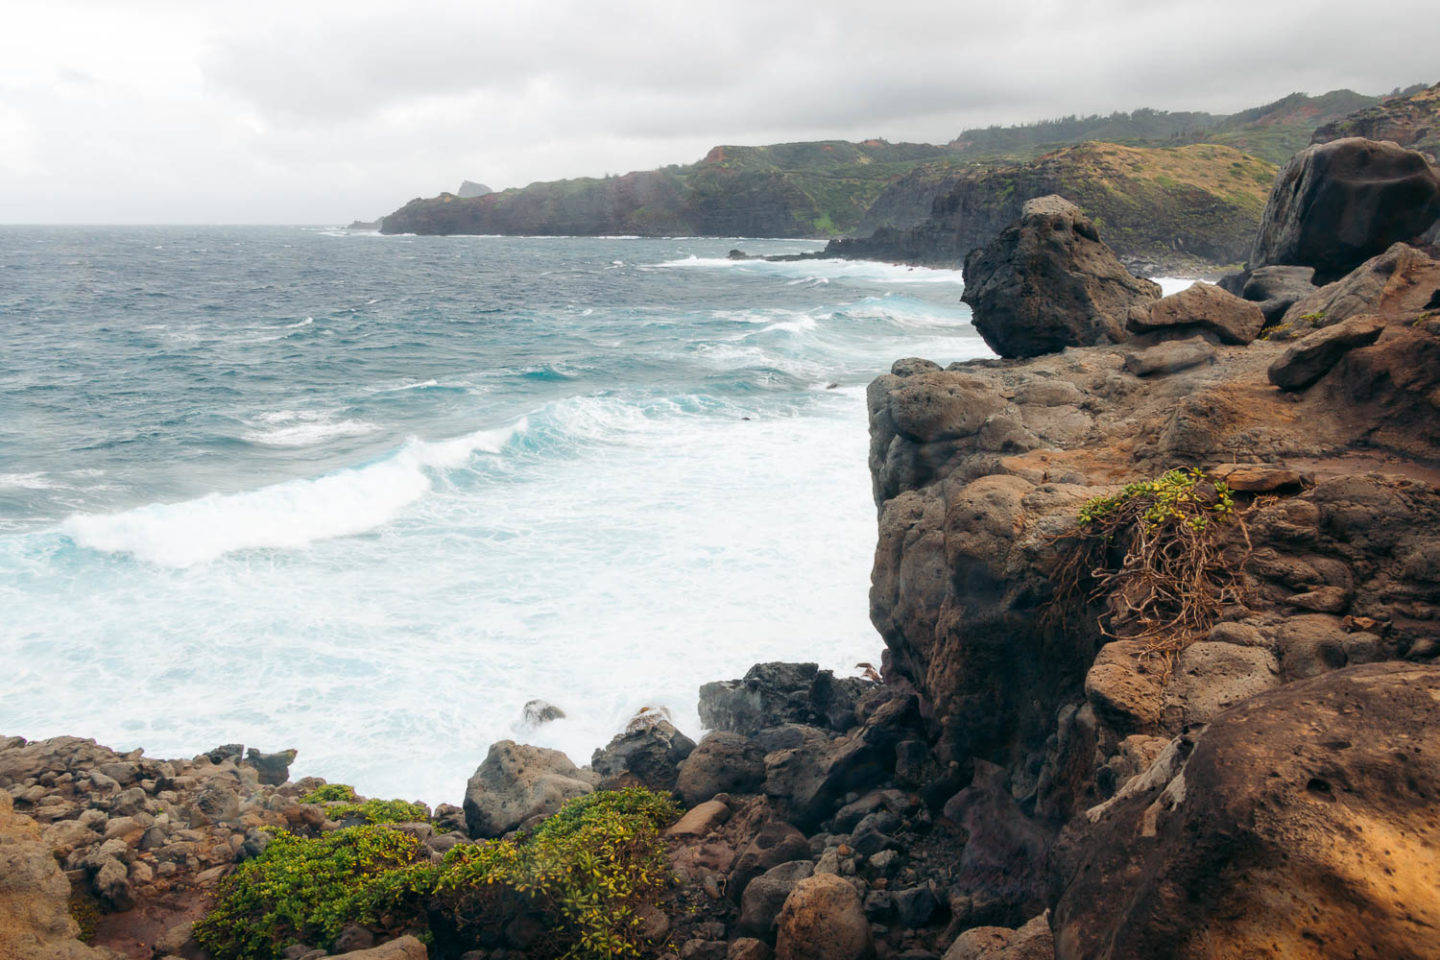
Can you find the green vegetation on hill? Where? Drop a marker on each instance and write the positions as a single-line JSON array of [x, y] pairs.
[[1185, 207], [1272, 132]]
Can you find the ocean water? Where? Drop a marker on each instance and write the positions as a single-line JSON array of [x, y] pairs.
[[366, 496]]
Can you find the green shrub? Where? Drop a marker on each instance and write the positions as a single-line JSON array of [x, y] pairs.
[[303, 890], [329, 793], [585, 872], [380, 811]]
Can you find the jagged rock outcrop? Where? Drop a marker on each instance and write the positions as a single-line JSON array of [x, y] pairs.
[[1048, 282], [1402, 279], [1301, 823], [771, 694], [1336, 204]]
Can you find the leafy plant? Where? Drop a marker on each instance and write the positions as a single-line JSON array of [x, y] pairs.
[[1159, 554], [380, 811], [303, 890], [586, 872], [329, 793]]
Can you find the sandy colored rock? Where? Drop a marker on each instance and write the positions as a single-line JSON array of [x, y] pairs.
[[1202, 306], [1314, 356], [517, 782], [35, 921], [823, 920], [1303, 820], [700, 820], [405, 948]]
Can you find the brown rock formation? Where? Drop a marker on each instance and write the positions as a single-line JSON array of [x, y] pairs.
[[1303, 824], [35, 921], [1048, 282]]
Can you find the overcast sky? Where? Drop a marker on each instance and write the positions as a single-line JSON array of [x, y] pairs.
[[311, 111]]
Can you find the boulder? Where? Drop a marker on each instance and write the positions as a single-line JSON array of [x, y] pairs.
[[648, 755], [1302, 824], [766, 894], [517, 782], [1397, 280], [1033, 941], [1312, 357], [405, 948], [823, 920], [1172, 356], [700, 820], [809, 781], [273, 768], [1048, 282], [1336, 204], [776, 843], [721, 763], [1201, 306], [1275, 288], [771, 694]]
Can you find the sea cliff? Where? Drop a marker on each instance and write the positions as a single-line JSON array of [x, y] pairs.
[[1159, 588]]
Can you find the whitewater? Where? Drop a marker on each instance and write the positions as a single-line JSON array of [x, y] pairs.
[[367, 496]]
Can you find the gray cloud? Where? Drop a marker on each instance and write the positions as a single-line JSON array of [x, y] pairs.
[[322, 111]]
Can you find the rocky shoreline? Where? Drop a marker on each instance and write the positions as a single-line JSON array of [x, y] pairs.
[[1160, 593]]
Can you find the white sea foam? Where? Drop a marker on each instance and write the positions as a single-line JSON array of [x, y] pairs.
[[288, 515], [870, 271], [26, 481], [1169, 285], [290, 428]]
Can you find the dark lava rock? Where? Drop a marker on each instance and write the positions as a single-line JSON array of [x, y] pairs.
[[765, 895], [648, 756], [1274, 289], [1302, 824], [1048, 282], [771, 694], [274, 768], [1336, 204], [1001, 877], [776, 843], [722, 763]]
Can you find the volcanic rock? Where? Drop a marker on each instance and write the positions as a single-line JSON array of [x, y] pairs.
[[721, 763], [823, 920], [1303, 820], [648, 756], [1313, 357], [1048, 282], [1336, 204], [517, 782], [1201, 306]]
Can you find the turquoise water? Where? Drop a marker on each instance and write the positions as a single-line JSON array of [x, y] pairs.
[[366, 496]]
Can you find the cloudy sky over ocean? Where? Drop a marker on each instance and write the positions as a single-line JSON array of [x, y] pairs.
[[269, 112]]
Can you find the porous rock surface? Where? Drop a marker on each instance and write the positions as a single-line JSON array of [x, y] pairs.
[[1047, 282], [517, 782], [1302, 823]]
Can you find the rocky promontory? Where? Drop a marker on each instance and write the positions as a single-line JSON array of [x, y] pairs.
[[1159, 589]]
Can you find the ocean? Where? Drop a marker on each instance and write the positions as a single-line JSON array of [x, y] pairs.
[[366, 496]]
